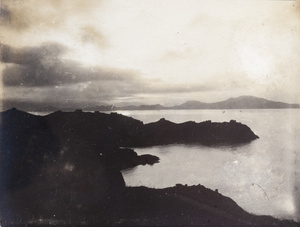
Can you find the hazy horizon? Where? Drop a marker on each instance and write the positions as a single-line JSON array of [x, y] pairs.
[[148, 52], [242, 102]]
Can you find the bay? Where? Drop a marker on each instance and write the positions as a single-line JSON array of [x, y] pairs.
[[261, 176]]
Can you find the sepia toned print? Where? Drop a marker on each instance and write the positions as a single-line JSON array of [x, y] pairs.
[[130, 113]]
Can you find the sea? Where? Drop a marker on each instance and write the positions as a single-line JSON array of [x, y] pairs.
[[262, 177]]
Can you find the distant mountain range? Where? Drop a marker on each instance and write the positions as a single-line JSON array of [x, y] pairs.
[[242, 102]]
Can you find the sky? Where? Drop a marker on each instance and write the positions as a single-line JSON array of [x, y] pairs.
[[82, 53]]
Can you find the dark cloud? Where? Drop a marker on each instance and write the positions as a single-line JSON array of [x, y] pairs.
[[44, 66], [41, 76], [31, 55], [14, 17], [5, 16]]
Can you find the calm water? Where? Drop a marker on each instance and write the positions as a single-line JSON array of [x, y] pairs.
[[262, 176]]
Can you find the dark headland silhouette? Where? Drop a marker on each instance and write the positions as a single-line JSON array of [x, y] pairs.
[[64, 169]]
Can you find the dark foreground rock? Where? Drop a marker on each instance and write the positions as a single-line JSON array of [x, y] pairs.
[[141, 206], [188, 206], [64, 169]]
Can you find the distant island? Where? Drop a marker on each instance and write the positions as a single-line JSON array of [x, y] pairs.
[[64, 169], [242, 102]]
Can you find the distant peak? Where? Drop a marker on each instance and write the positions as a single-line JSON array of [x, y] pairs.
[[163, 120], [13, 110]]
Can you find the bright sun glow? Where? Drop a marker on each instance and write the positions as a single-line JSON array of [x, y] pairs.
[[289, 206], [256, 65]]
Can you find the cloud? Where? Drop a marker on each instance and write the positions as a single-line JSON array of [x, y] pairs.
[[44, 66], [41, 75], [171, 87], [5, 16], [34, 66], [92, 35], [13, 19], [31, 55], [23, 15], [180, 54]]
